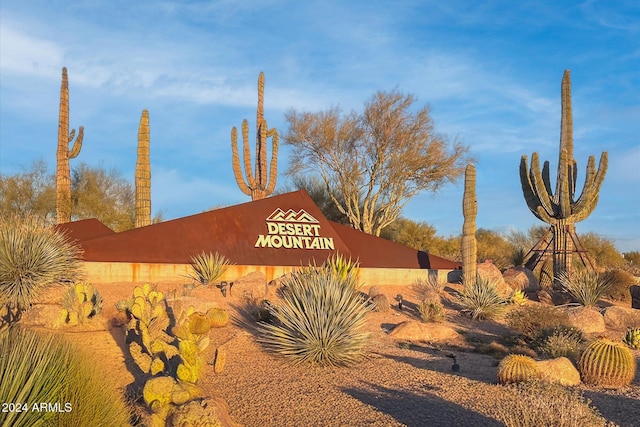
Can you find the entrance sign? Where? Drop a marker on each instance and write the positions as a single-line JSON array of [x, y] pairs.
[[293, 230]]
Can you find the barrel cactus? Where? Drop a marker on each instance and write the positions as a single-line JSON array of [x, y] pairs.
[[516, 368], [217, 317], [607, 363], [632, 338]]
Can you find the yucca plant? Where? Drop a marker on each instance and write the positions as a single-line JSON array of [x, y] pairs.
[[482, 300], [345, 269], [208, 267], [38, 367], [632, 338], [32, 256], [319, 320], [585, 286]]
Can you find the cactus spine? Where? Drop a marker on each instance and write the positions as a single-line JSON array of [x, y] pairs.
[[256, 185], [607, 363], [469, 211], [517, 368], [562, 209], [63, 174], [143, 174]]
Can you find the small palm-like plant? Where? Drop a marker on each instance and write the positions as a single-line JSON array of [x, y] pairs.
[[208, 267], [585, 286], [482, 300], [41, 368], [32, 256], [318, 319]]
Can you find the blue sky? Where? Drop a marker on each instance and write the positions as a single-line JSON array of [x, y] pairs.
[[490, 72]]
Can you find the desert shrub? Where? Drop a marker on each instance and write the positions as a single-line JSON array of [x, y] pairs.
[[528, 320], [380, 303], [345, 269], [319, 319], [621, 281], [585, 286], [482, 300], [560, 341], [208, 267], [37, 367], [632, 338], [518, 297], [427, 289], [32, 257], [431, 311], [540, 403]]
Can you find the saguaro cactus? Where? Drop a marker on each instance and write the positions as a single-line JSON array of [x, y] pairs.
[[469, 211], [63, 174], [143, 174], [256, 185], [562, 209]]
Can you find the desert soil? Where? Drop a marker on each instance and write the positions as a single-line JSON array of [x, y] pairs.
[[397, 384]]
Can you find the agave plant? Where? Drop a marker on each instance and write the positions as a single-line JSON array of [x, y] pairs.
[[318, 320], [208, 267], [345, 269], [482, 300], [32, 257], [585, 286]]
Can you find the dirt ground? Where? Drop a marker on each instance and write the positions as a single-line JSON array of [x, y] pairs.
[[397, 384]]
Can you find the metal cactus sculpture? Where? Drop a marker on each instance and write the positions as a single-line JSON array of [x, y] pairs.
[[256, 185], [469, 211], [561, 209], [143, 174], [63, 174]]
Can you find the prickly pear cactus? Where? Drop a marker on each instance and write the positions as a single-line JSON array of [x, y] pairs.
[[218, 317], [607, 363], [632, 338], [162, 394], [81, 302], [192, 330], [150, 346], [517, 368]]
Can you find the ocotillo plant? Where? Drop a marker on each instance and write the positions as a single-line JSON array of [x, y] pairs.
[[469, 211], [562, 209], [256, 185], [63, 175], [143, 174]]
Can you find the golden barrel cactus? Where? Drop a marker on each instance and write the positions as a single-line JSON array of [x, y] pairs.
[[607, 363], [516, 368]]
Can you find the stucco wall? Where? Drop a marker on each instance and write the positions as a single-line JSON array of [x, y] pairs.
[[114, 272]]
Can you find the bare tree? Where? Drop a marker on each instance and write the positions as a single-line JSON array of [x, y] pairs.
[[373, 163]]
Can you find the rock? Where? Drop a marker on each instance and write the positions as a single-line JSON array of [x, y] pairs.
[[589, 320], [616, 317], [488, 271], [47, 315], [635, 296], [412, 330], [544, 296], [521, 278], [559, 370], [252, 287], [209, 412]]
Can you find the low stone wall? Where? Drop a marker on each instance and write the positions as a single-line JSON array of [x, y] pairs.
[[118, 272]]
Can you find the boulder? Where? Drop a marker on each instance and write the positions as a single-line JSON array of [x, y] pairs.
[[252, 287], [588, 319], [489, 272], [616, 317], [635, 296], [412, 330], [559, 370], [521, 278]]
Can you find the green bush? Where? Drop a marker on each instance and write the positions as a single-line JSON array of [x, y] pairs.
[[32, 257], [530, 319], [621, 281], [318, 319], [539, 403], [560, 341], [208, 267], [585, 286], [482, 300], [42, 368]]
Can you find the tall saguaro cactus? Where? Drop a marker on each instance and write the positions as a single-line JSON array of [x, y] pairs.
[[256, 185], [469, 211], [63, 174], [143, 174], [561, 209]]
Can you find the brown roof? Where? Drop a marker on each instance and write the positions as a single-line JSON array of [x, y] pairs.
[[85, 229], [287, 230]]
